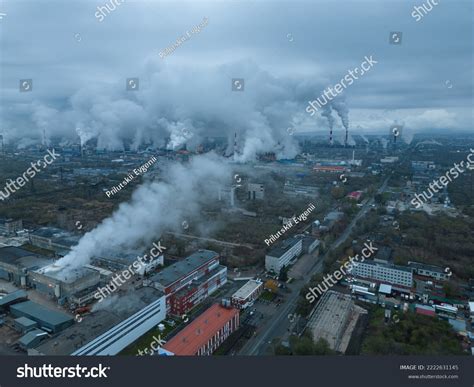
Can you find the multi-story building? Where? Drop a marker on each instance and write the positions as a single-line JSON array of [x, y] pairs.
[[283, 254], [255, 191], [10, 226], [432, 271], [384, 273], [206, 333], [247, 294], [188, 282], [197, 291]]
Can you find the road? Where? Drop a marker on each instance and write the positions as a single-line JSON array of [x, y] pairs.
[[279, 323]]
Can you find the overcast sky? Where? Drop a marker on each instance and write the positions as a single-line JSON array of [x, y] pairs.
[[287, 52]]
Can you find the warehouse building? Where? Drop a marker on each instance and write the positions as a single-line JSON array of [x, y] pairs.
[[17, 263], [47, 319], [247, 294], [24, 324], [283, 254], [125, 333], [384, 273], [206, 333], [32, 338], [334, 319], [61, 284], [54, 239], [12, 298], [10, 227]]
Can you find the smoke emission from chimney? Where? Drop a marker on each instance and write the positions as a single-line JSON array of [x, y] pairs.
[[153, 208]]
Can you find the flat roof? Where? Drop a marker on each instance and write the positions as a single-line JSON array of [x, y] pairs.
[[386, 265], [25, 322], [13, 297], [424, 266], [283, 246], [66, 275], [188, 341], [181, 269], [39, 313], [386, 289], [22, 258], [245, 291]]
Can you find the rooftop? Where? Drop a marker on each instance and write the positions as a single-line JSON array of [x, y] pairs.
[[200, 331], [182, 268], [23, 258], [39, 313], [66, 275], [424, 266], [283, 246], [246, 290]]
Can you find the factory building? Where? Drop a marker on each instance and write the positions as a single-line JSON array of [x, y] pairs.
[[54, 239], [432, 271], [10, 227], [197, 275], [206, 333], [48, 319], [197, 291], [383, 272], [61, 284], [255, 191], [334, 319], [125, 333], [12, 298], [122, 261], [247, 294], [283, 254], [17, 263]]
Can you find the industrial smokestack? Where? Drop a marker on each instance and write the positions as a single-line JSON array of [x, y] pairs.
[[235, 146], [343, 112], [327, 112]]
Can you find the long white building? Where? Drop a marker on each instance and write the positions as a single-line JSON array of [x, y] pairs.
[[125, 333], [283, 254], [382, 272]]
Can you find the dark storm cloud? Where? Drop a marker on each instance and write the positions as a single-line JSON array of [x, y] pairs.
[[287, 52]]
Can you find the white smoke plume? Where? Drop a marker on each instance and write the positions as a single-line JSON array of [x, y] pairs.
[[174, 106], [153, 208], [342, 110]]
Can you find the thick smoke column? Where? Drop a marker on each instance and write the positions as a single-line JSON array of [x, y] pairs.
[[341, 108], [327, 112], [153, 208]]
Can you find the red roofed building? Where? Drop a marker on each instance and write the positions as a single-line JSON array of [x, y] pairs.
[[206, 333], [355, 195]]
